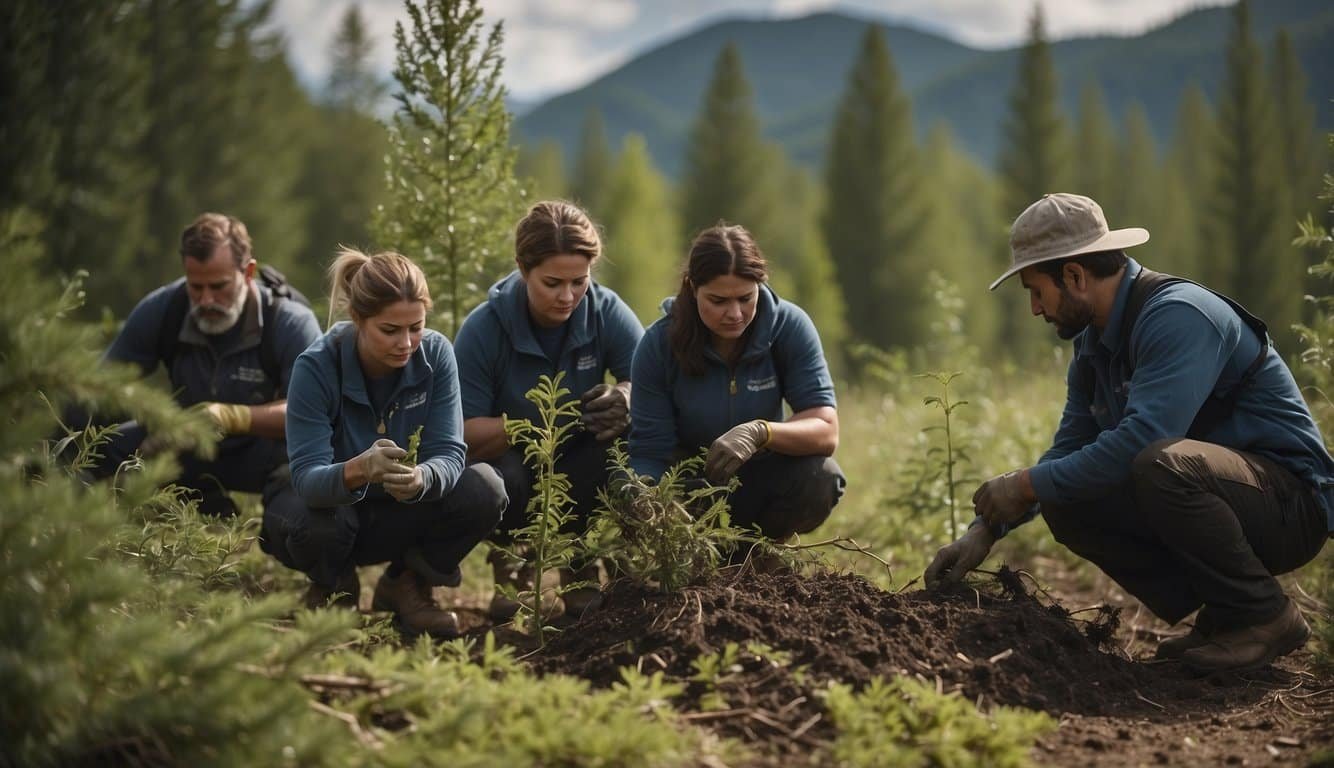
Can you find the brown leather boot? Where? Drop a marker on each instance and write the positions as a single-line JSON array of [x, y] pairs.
[[415, 610], [346, 594], [580, 600], [1251, 647], [1173, 647]]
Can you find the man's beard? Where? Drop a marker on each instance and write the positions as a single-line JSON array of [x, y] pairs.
[[215, 319], [1072, 316]]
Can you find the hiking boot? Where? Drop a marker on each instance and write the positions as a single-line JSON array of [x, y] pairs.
[[580, 600], [346, 594], [1251, 647], [408, 596], [1173, 647]]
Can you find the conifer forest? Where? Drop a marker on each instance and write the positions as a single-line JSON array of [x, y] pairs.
[[138, 628]]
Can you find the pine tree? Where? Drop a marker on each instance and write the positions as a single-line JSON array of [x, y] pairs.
[[592, 166], [643, 250], [1095, 170], [541, 171], [353, 84], [728, 174], [809, 269], [875, 219], [1248, 202], [342, 175], [71, 127], [964, 236], [1300, 144], [1137, 162], [1192, 173], [453, 199], [226, 132], [1032, 158]]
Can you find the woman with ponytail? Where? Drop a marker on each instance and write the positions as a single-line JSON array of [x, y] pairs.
[[357, 397], [715, 372]]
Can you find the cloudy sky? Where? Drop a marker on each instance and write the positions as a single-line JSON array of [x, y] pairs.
[[554, 45]]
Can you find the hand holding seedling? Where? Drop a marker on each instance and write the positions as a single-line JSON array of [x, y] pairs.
[[735, 447], [606, 410], [1004, 498], [381, 461]]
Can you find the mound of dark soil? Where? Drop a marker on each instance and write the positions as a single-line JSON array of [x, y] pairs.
[[998, 645]]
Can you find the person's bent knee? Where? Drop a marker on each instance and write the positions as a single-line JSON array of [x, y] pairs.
[[479, 495], [1062, 520]]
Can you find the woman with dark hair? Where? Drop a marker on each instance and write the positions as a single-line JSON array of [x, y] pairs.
[[357, 397], [715, 372], [546, 317]]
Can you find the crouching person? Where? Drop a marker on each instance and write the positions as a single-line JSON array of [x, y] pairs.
[[357, 396], [716, 370]]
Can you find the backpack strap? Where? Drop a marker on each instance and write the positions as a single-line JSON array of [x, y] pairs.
[[1216, 408], [169, 332]]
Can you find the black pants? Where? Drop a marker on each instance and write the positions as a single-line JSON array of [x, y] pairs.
[[1199, 525], [242, 463], [782, 495], [582, 459], [430, 537]]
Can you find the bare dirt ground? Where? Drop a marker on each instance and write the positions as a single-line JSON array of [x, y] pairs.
[[1004, 641]]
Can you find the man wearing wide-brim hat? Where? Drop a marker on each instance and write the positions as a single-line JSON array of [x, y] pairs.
[[1186, 465]]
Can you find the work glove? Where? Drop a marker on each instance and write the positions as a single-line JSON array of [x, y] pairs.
[[606, 410], [229, 418], [380, 462], [1001, 499], [959, 557], [735, 447], [405, 487]]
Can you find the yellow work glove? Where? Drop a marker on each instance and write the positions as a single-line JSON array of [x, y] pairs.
[[230, 418]]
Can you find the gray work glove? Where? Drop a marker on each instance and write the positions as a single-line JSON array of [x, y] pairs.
[[1001, 500], [606, 410], [733, 448], [959, 557], [381, 462], [407, 486]]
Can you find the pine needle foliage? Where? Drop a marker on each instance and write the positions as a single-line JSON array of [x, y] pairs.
[[667, 534], [905, 722], [111, 650], [452, 191], [545, 536]]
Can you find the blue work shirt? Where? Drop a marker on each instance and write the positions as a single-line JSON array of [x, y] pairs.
[[672, 412], [225, 368], [330, 418], [500, 357], [1187, 344]]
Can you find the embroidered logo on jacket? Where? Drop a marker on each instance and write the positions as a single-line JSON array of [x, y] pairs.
[[759, 385], [586, 362], [415, 400], [249, 375]]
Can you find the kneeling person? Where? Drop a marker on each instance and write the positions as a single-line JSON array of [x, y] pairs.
[[357, 397], [715, 372], [546, 317], [1186, 465]]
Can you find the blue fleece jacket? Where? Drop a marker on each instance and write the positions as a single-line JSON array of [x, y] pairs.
[[1187, 344], [226, 368], [330, 418], [673, 412], [500, 358]]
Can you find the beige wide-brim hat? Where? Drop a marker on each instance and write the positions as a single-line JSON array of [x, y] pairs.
[[1061, 225]]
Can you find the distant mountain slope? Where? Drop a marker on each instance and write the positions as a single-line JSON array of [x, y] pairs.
[[798, 67]]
